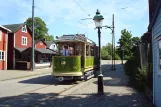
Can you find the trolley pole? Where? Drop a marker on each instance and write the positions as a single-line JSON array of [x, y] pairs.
[[113, 35], [33, 61]]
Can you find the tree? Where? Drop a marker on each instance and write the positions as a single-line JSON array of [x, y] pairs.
[[125, 42], [106, 52], [135, 40], [40, 29], [49, 38]]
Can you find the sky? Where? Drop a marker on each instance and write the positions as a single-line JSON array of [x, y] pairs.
[[64, 16]]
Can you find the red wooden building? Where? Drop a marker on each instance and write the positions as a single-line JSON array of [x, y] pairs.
[[19, 39], [3, 47], [20, 48]]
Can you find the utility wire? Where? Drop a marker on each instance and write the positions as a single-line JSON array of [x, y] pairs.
[[81, 8]]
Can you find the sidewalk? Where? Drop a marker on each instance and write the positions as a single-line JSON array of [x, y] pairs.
[[117, 93], [15, 74]]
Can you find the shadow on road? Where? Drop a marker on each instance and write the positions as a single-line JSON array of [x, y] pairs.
[[46, 80], [91, 100]]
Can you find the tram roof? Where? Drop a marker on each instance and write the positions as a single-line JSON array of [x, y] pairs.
[[74, 38]]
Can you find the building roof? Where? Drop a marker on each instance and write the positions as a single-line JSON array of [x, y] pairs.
[[20, 49], [48, 43], [75, 38], [155, 15], [36, 41], [14, 27], [45, 51], [5, 28]]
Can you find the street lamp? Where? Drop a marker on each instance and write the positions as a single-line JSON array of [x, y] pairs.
[[98, 19]]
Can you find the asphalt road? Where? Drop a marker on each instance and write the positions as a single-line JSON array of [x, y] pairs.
[[33, 87]]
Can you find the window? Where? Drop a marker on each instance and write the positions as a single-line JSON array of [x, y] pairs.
[[159, 71], [24, 29], [41, 43], [24, 40], [2, 55], [0, 35]]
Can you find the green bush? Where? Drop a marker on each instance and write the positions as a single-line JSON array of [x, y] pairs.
[[136, 75], [106, 57], [117, 57]]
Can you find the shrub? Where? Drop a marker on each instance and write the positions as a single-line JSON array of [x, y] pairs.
[[117, 57], [136, 75], [106, 57]]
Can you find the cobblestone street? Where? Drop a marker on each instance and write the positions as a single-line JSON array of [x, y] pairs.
[[117, 94]]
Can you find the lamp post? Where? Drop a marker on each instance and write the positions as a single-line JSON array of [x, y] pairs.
[[98, 19]]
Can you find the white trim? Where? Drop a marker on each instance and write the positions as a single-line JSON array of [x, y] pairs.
[[2, 51], [25, 29], [6, 49], [25, 40], [5, 28], [1, 35], [41, 43]]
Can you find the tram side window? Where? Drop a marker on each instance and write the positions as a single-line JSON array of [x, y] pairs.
[[87, 51], [92, 52], [78, 50], [71, 49]]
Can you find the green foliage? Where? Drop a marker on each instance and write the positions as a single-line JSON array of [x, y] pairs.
[[127, 42], [49, 38], [137, 76], [40, 29], [117, 57], [106, 57], [106, 52], [135, 40]]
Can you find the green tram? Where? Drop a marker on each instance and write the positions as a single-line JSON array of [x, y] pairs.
[[81, 61]]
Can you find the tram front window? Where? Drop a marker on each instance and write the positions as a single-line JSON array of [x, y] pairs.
[[65, 51]]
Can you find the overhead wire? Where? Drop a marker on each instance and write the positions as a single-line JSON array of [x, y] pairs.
[[81, 8], [85, 13], [86, 25]]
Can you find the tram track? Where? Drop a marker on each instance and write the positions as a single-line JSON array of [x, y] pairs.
[[70, 89], [37, 89], [65, 91]]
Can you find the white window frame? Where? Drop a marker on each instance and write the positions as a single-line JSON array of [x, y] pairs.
[[24, 29], [1, 55], [23, 42], [159, 57], [41, 43], [0, 35]]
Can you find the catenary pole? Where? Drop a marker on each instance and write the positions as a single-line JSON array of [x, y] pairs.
[[33, 61]]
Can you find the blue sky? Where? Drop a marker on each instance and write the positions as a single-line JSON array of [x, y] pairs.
[[64, 16]]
